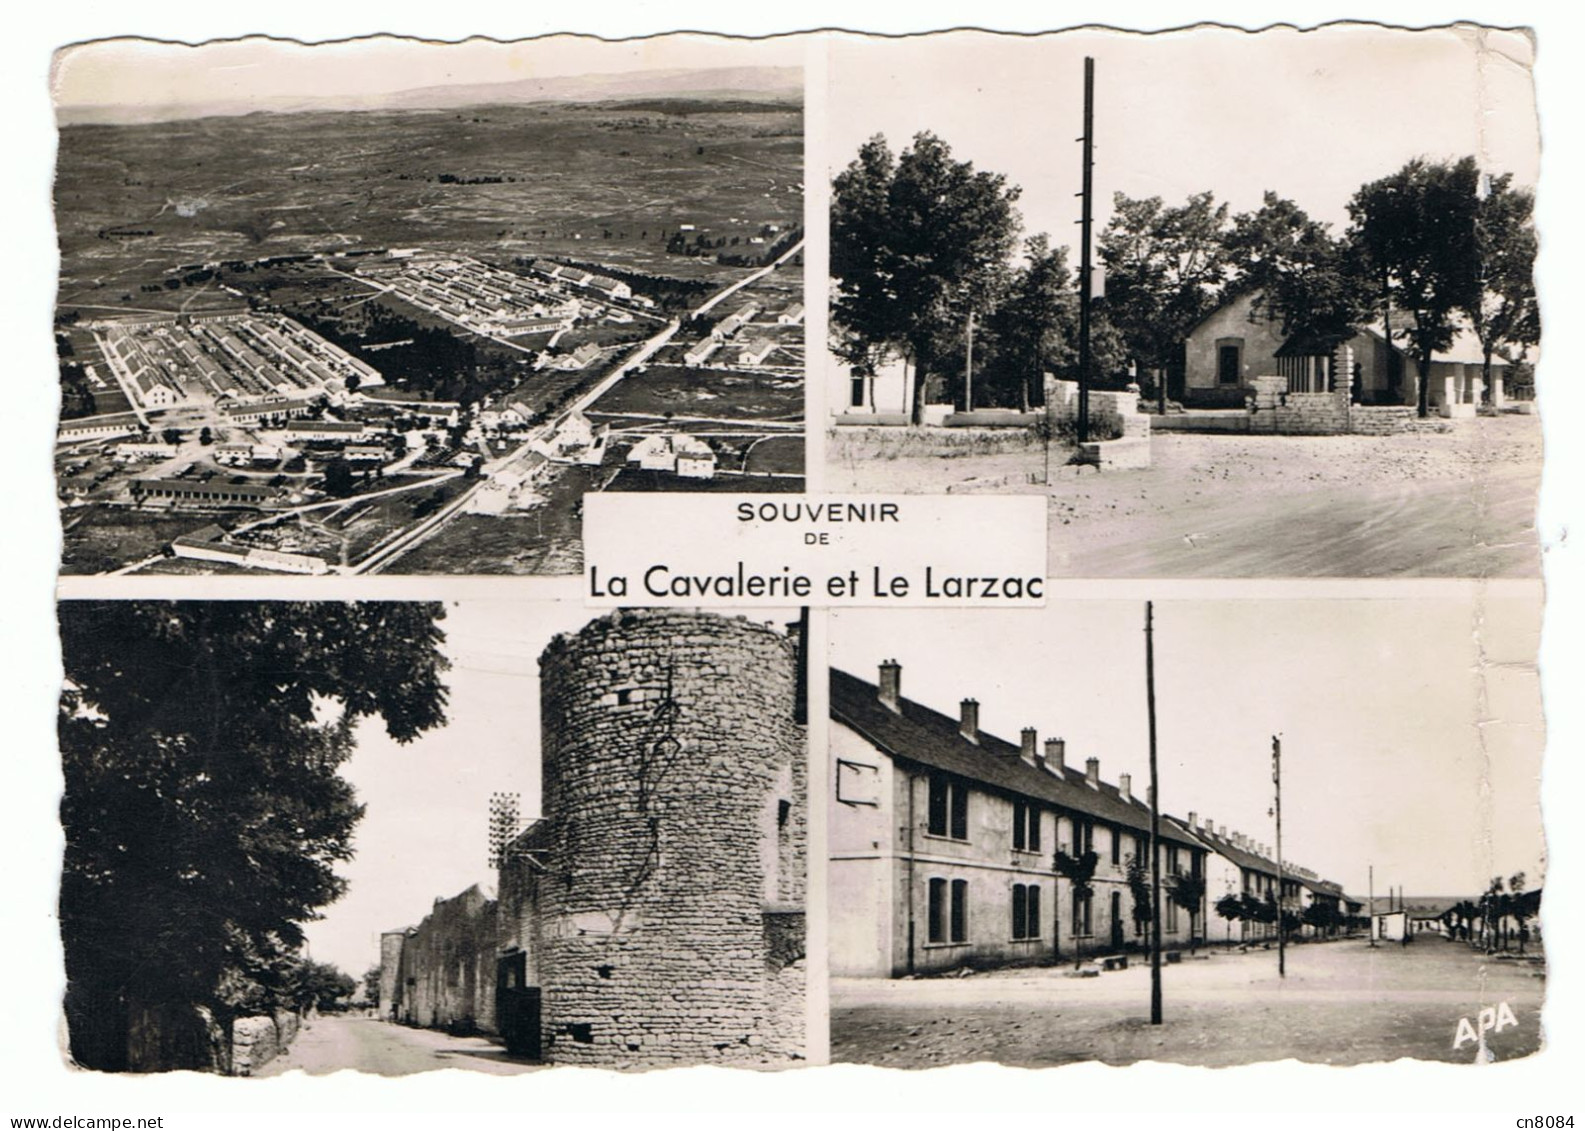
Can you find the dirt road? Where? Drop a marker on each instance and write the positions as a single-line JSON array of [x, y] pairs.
[[363, 1044], [1341, 1003], [1454, 504]]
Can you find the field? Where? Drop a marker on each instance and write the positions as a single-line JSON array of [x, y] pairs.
[[597, 183], [99, 539], [547, 539], [940, 460], [734, 394], [278, 213]]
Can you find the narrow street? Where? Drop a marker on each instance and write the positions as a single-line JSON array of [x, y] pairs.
[[364, 1044]]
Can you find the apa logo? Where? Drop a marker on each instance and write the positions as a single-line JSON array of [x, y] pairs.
[[1489, 1020]]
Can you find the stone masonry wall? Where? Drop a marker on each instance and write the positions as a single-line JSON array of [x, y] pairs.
[[449, 980], [255, 1041], [1275, 410], [673, 844], [390, 970], [1062, 398]]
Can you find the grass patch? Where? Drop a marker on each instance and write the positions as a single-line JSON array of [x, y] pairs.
[[928, 443]]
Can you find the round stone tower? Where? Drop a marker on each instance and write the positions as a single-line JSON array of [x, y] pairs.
[[667, 912]]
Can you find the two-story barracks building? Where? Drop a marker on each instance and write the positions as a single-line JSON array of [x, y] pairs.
[[943, 841]]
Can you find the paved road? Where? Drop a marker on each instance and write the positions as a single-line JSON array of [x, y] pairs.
[[331, 1044], [1341, 1003]]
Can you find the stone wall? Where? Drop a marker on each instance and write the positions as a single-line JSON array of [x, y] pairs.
[[1062, 402], [447, 969], [1275, 410], [672, 856], [1390, 421], [255, 1041]]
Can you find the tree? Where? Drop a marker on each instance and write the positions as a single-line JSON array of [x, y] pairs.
[[1034, 327], [1139, 890], [1231, 908], [917, 243], [1505, 313], [1305, 277], [1491, 912], [1415, 233], [171, 435], [338, 477], [206, 436], [1079, 871], [1165, 268], [371, 986], [319, 986], [1188, 892], [1518, 907], [203, 810]]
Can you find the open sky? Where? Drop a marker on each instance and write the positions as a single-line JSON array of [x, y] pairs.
[[1312, 115], [425, 831], [133, 72], [1411, 726]]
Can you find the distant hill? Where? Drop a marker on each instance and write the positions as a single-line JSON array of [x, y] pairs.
[[753, 85]]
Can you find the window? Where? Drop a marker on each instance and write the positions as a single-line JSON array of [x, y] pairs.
[[1173, 866], [1081, 915], [1020, 819], [1026, 911], [1083, 837], [1172, 916], [856, 399], [948, 808], [948, 911], [960, 910], [1117, 846], [1026, 826]]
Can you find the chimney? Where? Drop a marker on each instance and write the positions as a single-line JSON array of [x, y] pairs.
[[1056, 755], [1027, 749], [891, 685], [969, 728], [1125, 784], [1194, 821], [1222, 831], [1092, 771]]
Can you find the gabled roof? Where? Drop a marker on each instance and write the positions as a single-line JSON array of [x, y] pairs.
[[1240, 856], [932, 740]]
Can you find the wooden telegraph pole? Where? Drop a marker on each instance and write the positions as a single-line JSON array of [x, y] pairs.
[[968, 369], [1084, 251], [1155, 821], [1370, 912], [1282, 931]]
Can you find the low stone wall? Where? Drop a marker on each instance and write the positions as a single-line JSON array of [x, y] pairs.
[[992, 418], [1207, 420], [1128, 453], [1385, 421], [1277, 411], [1312, 414], [870, 419], [255, 1041]]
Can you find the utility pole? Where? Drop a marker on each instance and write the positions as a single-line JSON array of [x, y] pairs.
[[1155, 818], [1282, 927], [968, 370], [1370, 913], [1084, 250]]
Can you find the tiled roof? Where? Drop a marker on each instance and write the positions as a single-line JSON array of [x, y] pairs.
[[931, 739]]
